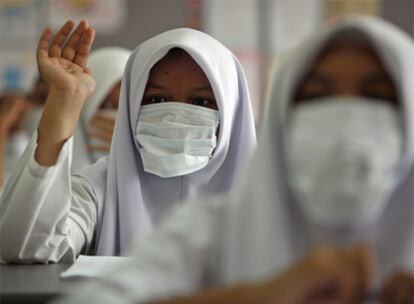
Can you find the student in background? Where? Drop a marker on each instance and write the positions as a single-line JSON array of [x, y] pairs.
[[37, 98], [93, 136], [13, 138], [184, 129], [333, 169]]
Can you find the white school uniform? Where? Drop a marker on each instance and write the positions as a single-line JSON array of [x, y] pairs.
[[257, 232], [48, 216]]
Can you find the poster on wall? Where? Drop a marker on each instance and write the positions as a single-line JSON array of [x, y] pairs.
[[107, 17], [20, 24], [336, 8]]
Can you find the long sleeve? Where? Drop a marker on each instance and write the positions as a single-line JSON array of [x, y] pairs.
[[45, 214], [177, 258]]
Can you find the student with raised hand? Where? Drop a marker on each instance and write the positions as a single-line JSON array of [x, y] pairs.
[[184, 129], [93, 135], [334, 168]]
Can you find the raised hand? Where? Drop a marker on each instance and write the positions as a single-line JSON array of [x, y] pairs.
[[62, 65]]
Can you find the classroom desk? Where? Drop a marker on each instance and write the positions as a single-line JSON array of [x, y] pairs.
[[33, 283]]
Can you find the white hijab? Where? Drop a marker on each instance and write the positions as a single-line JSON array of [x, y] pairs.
[[133, 201], [264, 232], [107, 66]]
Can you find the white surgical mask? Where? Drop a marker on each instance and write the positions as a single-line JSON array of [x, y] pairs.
[[93, 141], [175, 138], [342, 153]]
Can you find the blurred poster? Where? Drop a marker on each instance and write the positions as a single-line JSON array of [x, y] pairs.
[[233, 22], [289, 22], [106, 16], [17, 70], [20, 23], [336, 8]]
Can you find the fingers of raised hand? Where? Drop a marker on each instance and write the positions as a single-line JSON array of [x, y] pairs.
[[43, 45], [55, 49], [77, 46], [69, 51], [84, 48]]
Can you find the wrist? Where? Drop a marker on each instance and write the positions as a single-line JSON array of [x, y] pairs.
[[72, 93]]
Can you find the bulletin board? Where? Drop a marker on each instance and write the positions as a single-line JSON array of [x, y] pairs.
[[22, 21]]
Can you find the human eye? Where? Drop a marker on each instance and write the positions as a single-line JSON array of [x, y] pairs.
[[315, 87], [203, 102], [154, 99]]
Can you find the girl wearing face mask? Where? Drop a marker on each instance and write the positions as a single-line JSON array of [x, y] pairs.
[[333, 170], [92, 139], [184, 128]]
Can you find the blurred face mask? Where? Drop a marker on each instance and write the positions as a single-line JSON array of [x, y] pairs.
[[342, 154], [175, 138]]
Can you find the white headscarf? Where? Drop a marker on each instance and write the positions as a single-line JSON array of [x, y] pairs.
[[135, 200], [107, 67], [264, 231]]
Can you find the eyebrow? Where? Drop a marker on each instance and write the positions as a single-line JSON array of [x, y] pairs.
[[152, 85]]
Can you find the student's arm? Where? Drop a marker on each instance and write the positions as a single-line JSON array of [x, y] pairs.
[[45, 214], [62, 65]]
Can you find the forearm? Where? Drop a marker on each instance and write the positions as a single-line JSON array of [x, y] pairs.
[[58, 123]]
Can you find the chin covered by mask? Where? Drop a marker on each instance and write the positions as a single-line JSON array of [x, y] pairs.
[[93, 141], [175, 138], [342, 153], [32, 119]]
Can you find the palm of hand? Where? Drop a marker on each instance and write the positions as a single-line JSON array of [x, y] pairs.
[[64, 74]]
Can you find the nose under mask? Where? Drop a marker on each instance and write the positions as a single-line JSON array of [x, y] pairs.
[[176, 139], [342, 155]]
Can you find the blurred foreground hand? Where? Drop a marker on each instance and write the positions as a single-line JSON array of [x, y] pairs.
[[398, 289], [327, 275]]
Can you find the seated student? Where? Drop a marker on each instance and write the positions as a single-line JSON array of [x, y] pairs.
[[184, 128], [93, 135], [334, 167]]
